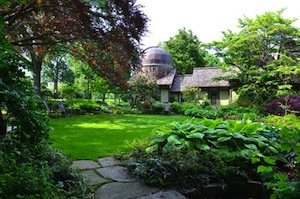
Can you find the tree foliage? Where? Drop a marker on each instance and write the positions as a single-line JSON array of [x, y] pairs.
[[107, 33], [191, 94], [186, 51], [28, 30], [212, 60], [265, 51], [56, 70], [87, 81], [288, 104], [143, 88], [23, 169]]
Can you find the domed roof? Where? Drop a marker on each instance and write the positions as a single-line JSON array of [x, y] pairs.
[[155, 56]]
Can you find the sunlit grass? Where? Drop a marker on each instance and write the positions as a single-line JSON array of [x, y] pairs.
[[94, 136]]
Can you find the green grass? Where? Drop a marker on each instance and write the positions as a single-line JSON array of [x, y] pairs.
[[94, 136]]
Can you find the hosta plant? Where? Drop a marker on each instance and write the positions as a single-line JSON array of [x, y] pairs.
[[196, 153], [245, 139]]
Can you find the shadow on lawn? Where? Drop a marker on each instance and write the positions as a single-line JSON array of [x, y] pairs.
[[115, 122]]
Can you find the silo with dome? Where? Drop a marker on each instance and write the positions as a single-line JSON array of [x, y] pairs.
[[157, 64]]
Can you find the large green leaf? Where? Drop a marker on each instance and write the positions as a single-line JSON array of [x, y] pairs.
[[250, 128], [204, 147], [272, 149], [157, 140], [263, 168], [209, 131], [212, 124], [270, 160], [223, 139], [220, 132], [174, 140], [246, 153], [251, 146], [196, 135], [239, 136]]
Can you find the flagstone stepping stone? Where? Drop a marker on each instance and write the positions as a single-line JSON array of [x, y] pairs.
[[93, 178], [108, 162], [171, 194], [85, 164], [117, 190], [116, 173]]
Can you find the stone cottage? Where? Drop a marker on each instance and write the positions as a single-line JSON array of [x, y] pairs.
[[157, 64]]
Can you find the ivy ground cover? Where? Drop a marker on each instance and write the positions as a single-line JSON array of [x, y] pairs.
[[93, 136]]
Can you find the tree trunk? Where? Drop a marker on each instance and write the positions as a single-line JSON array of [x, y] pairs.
[[89, 89], [55, 89], [103, 97], [37, 68], [2, 125]]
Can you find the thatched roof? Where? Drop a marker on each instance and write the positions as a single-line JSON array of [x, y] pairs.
[[181, 81], [201, 77], [167, 80]]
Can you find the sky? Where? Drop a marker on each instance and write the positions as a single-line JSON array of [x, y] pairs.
[[206, 18]]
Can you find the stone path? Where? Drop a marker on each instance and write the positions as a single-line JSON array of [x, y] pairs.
[[113, 181]]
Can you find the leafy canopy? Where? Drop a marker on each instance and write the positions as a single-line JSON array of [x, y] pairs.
[[265, 51], [186, 51], [106, 33]]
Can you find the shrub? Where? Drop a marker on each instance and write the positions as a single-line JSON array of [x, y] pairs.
[[208, 112], [66, 178], [176, 108], [193, 154], [234, 111], [127, 109], [284, 179], [146, 106], [143, 91], [191, 94], [194, 110], [24, 169], [48, 177], [285, 105], [52, 105], [158, 107], [67, 91], [151, 106], [288, 121], [79, 106], [182, 169], [189, 105], [86, 106]]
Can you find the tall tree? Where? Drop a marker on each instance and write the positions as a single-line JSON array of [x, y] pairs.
[[212, 60], [100, 86], [110, 28], [264, 55], [85, 77], [55, 69], [186, 51]]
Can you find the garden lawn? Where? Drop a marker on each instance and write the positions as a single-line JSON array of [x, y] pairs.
[[94, 136]]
